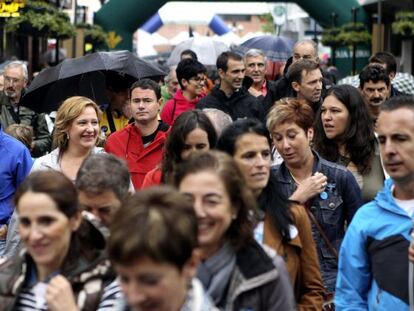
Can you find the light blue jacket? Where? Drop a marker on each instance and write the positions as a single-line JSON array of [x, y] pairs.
[[373, 260]]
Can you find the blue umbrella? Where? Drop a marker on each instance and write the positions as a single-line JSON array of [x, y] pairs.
[[276, 48]]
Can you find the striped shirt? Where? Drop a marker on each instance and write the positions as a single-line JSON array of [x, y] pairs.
[[32, 299]]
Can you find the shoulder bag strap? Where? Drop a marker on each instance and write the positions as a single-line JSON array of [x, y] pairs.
[[322, 232]]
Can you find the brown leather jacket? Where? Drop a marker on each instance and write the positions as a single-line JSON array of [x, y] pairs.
[[300, 257]]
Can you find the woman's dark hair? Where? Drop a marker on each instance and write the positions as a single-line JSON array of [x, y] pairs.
[[183, 125], [270, 199], [359, 135], [56, 185], [84, 242], [240, 232], [159, 223]]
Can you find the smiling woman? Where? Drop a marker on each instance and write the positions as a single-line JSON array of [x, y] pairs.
[[75, 137], [54, 269], [225, 210]]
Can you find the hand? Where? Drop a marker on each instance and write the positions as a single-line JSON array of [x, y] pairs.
[[3, 232], [59, 295], [310, 187], [254, 92]]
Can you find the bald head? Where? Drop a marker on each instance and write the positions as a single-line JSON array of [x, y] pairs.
[[305, 49]]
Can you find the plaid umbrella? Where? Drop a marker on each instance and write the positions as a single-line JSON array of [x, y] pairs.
[[403, 82]]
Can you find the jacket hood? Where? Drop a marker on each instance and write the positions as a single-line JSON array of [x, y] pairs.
[[385, 199]]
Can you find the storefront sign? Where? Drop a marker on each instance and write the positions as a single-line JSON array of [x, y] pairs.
[[11, 8]]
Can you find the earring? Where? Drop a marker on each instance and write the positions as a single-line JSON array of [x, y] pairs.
[[234, 216], [67, 136]]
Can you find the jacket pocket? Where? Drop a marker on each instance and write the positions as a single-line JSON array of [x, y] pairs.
[[330, 209]]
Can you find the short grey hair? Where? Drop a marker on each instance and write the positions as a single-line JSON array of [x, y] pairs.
[[102, 172], [307, 41], [218, 118], [168, 76], [254, 53], [18, 64]]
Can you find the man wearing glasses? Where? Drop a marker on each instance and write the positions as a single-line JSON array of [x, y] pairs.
[[11, 112], [191, 77]]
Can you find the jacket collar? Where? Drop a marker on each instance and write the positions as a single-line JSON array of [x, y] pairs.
[[285, 176], [385, 199]]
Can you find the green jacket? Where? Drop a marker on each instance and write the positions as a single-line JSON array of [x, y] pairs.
[[42, 139]]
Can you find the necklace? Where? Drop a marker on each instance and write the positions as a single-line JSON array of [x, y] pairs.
[[294, 179]]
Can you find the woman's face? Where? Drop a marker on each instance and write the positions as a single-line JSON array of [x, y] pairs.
[[335, 117], [84, 130], [212, 206], [45, 231], [253, 157], [292, 143], [153, 286], [196, 140]]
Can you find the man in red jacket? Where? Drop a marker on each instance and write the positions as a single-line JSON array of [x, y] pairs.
[[191, 77], [142, 142]]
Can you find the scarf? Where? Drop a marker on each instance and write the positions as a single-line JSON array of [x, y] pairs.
[[215, 272]]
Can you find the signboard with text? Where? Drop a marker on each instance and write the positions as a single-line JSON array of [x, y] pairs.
[[10, 8]]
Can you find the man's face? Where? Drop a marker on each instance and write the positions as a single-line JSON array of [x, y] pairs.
[[14, 82], [305, 51], [233, 77], [310, 87], [374, 95], [1, 83], [103, 205], [396, 137], [256, 68], [173, 84], [144, 105]]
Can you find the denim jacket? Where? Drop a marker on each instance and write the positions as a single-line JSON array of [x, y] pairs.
[[333, 210]]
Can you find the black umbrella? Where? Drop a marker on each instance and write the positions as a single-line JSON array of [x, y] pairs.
[[86, 76]]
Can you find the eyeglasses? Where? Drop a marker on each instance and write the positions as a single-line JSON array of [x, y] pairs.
[[198, 79]]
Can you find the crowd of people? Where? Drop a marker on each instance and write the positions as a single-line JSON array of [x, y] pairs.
[[195, 194]]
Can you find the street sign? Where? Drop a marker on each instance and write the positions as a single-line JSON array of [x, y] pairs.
[[11, 8]]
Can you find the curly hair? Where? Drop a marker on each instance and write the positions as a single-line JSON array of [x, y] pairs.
[[359, 135], [240, 232]]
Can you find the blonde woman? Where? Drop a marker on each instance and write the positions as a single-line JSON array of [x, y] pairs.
[[75, 136]]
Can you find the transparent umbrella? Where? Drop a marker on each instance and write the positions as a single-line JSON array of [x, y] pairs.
[[206, 48]]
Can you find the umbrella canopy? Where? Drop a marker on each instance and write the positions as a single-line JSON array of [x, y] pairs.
[[206, 48], [276, 48], [85, 76], [404, 82]]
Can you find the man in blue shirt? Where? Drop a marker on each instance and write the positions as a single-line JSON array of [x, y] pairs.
[[15, 165]]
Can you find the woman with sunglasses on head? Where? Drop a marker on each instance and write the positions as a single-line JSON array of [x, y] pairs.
[[235, 270], [62, 266], [344, 134], [329, 191], [191, 132], [284, 226]]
